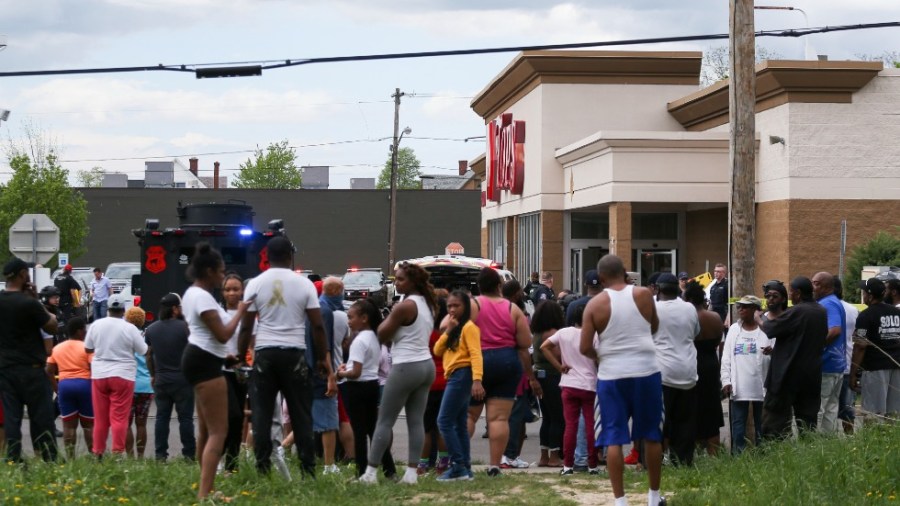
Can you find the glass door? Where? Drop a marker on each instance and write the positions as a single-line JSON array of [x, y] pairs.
[[649, 261], [576, 270], [583, 260]]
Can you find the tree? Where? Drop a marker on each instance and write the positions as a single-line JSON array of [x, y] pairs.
[[716, 66], [882, 249], [91, 178], [39, 185], [274, 168], [408, 172], [891, 59]]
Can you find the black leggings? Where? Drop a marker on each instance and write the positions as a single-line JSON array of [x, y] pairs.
[[361, 403], [237, 396], [553, 424]]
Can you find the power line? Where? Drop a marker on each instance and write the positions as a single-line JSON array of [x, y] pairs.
[[283, 63]]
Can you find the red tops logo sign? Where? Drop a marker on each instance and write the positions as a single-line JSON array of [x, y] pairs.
[[506, 164]]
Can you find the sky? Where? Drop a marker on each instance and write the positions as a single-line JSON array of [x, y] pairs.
[[334, 114]]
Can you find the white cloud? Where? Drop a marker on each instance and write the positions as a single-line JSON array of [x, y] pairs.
[[114, 101]]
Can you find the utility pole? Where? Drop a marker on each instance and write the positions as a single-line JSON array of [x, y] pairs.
[[392, 227], [742, 152]]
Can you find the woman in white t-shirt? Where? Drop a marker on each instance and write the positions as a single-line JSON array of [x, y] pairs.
[[743, 371], [361, 390], [211, 329]]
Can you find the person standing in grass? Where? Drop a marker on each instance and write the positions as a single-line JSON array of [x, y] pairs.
[[460, 348], [408, 326], [617, 331], [114, 342], [745, 362], [876, 351], [143, 393], [210, 330], [72, 365], [578, 384]]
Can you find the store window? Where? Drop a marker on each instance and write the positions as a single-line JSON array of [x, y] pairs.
[[654, 226], [590, 226], [528, 250], [497, 240]]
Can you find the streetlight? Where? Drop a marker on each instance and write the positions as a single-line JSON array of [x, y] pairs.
[[807, 52], [392, 235]]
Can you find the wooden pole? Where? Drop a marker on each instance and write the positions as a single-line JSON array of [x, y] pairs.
[[742, 152]]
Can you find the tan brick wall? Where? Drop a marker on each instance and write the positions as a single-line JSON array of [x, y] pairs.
[[706, 239], [620, 233], [815, 232], [484, 242], [552, 245], [773, 226]]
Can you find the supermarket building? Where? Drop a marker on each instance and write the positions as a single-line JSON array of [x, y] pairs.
[[621, 152]]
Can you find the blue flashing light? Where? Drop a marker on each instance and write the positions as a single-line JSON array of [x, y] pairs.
[[246, 232]]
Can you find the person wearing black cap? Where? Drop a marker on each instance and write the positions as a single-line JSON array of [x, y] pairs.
[[23, 357], [167, 338], [795, 373], [876, 351], [683, 279], [591, 287]]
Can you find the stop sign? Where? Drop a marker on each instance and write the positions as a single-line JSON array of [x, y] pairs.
[[34, 238]]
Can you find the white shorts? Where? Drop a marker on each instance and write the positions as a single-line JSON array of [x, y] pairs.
[[881, 391]]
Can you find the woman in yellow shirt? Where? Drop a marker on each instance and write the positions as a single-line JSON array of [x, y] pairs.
[[460, 347]]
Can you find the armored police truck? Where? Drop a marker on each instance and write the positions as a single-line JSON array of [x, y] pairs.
[[166, 252]]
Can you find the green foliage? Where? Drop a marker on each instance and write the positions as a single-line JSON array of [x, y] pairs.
[[90, 178], [882, 249], [274, 168], [859, 469], [716, 63], [408, 171], [39, 185]]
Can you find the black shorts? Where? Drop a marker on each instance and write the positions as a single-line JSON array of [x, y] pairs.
[[199, 365], [432, 408], [502, 374]]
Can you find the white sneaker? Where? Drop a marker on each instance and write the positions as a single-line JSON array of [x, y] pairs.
[[516, 463], [368, 479], [280, 464], [410, 478], [332, 469]]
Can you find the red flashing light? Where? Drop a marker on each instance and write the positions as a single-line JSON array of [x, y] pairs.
[[149, 316], [354, 269], [156, 233], [178, 232], [268, 233], [495, 265], [137, 300]]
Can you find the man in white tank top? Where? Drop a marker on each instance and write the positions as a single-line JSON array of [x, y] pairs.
[[617, 331]]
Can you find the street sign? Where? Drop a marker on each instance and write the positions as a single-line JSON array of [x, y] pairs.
[[63, 260], [34, 238]]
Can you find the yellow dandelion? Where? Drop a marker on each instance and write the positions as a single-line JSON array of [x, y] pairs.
[[16, 499], [868, 494], [50, 492], [193, 486], [244, 492], [78, 482], [19, 485], [123, 500]]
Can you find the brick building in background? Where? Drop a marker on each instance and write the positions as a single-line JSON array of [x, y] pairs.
[[620, 152]]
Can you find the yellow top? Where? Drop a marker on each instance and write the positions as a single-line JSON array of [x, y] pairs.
[[467, 353]]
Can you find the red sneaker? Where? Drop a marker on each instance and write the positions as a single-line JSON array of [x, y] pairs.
[[633, 458]]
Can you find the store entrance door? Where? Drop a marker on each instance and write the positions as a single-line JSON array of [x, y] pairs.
[[583, 260], [649, 261]]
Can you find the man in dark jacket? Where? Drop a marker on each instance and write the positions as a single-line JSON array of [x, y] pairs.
[[794, 381]]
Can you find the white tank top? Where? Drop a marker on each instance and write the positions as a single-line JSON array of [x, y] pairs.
[[626, 346], [411, 341]]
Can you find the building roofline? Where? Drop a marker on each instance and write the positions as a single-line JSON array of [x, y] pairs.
[[531, 68], [778, 82]]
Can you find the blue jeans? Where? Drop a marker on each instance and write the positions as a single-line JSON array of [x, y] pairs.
[[99, 308], [581, 451], [846, 412], [452, 420], [181, 396], [740, 411], [23, 386]]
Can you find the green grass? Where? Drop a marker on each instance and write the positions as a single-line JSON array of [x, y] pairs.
[[861, 469]]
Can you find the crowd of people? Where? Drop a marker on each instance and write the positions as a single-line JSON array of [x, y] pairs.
[[282, 363]]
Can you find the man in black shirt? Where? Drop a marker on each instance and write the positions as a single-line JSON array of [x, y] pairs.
[[167, 339], [876, 350], [718, 291], [794, 381], [23, 358], [68, 292]]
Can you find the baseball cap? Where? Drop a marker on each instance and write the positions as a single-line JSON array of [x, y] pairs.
[[116, 301], [872, 286], [653, 279], [170, 300], [14, 266], [683, 275], [68, 268], [749, 300], [666, 278], [591, 278]]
